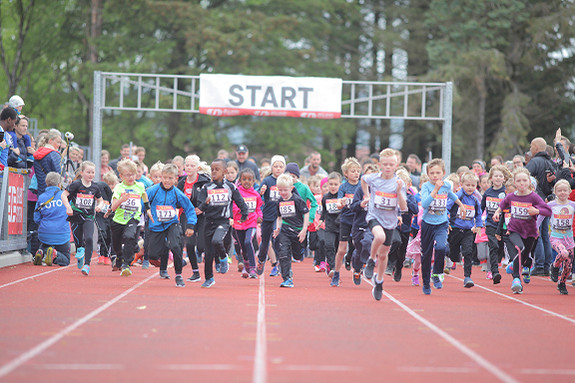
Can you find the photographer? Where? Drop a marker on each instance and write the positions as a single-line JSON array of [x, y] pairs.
[[565, 162]]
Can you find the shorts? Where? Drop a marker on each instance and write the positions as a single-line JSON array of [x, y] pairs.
[[388, 233], [344, 232]]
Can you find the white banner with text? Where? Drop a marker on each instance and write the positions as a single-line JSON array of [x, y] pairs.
[[225, 95]]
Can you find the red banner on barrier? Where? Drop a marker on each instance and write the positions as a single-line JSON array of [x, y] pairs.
[[15, 204]]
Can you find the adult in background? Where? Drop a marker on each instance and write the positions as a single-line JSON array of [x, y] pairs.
[[242, 154], [124, 155], [8, 118], [413, 162], [314, 168], [542, 169], [47, 158], [18, 157], [105, 163]]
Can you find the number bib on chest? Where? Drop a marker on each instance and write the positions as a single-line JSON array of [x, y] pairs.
[[385, 201], [520, 210], [252, 204], [318, 198], [348, 200], [332, 206], [132, 203], [274, 194], [165, 213], [507, 216], [287, 209], [469, 213], [439, 204], [561, 222], [219, 197], [492, 204], [105, 207], [84, 201]]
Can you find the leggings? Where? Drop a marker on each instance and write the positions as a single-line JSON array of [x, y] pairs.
[[564, 258], [267, 231], [519, 247], [83, 233], [245, 239]]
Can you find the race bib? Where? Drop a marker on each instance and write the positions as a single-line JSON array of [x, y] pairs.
[[319, 210], [332, 206], [132, 203], [469, 213], [84, 201], [287, 209], [348, 199], [438, 205], [507, 215], [520, 210], [105, 207], [274, 194], [385, 201], [492, 204], [561, 222], [252, 204], [165, 213], [219, 197]]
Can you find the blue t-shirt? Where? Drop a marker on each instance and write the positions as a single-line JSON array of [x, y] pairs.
[[435, 209], [347, 190]]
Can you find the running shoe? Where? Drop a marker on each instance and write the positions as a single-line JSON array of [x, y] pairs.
[[436, 281], [554, 273], [208, 283], [389, 270], [80, 253], [562, 288], [447, 270], [260, 267], [397, 274], [180, 281], [335, 280], [426, 289], [86, 270], [347, 264], [252, 273], [316, 268], [245, 273], [496, 278], [468, 282], [101, 260], [287, 283], [164, 274], [526, 273], [195, 277], [357, 278], [145, 264], [509, 268], [414, 279], [126, 272], [275, 272], [516, 286], [155, 262], [38, 257], [241, 267], [407, 263], [368, 271], [107, 261], [489, 275], [224, 265], [323, 266], [377, 291]]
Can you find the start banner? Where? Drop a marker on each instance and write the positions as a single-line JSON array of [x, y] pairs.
[[15, 204], [275, 96]]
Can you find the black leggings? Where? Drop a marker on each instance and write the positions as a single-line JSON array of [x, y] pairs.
[[83, 233], [517, 245]]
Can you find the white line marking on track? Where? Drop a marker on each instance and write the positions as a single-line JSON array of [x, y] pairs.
[[439, 370], [546, 371], [260, 357], [487, 365], [204, 367], [80, 366], [522, 302], [316, 368], [30, 354], [33, 276]]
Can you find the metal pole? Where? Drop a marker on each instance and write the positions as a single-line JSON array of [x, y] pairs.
[[447, 121], [97, 124]]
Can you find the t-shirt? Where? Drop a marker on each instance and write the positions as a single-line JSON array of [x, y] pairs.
[[83, 198], [561, 222], [347, 190], [292, 211], [132, 207], [435, 208], [383, 199]]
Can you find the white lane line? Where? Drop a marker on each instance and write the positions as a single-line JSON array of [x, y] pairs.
[[522, 302], [439, 370], [546, 371], [316, 368], [33, 276], [487, 365], [199, 367], [30, 354], [80, 366], [260, 357]]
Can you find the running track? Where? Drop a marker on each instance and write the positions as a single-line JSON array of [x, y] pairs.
[[58, 326]]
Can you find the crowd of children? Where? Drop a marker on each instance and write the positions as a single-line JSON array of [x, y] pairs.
[[371, 219]]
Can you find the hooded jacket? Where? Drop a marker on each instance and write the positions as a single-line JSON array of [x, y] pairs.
[[46, 160]]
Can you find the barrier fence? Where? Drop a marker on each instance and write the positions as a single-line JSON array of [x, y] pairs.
[[14, 185]]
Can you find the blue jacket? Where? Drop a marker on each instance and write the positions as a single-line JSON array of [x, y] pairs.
[[412, 211], [474, 218], [54, 229], [165, 203]]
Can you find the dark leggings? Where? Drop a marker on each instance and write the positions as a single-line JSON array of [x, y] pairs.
[[267, 231], [245, 239], [516, 245], [83, 233]]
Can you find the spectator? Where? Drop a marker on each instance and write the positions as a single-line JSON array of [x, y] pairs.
[[140, 152], [104, 161], [242, 154], [223, 155], [314, 167], [497, 160], [414, 165], [47, 158], [8, 118], [18, 156], [518, 161], [124, 155], [17, 103]]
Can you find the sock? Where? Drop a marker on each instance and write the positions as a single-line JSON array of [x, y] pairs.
[[378, 280], [195, 270]]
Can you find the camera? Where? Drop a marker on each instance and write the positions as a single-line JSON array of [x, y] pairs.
[[69, 136]]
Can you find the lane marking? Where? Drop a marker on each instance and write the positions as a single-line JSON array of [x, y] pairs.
[[440, 370], [33, 276], [487, 365], [203, 367], [80, 366], [260, 356], [545, 371], [522, 302], [30, 354], [314, 368]]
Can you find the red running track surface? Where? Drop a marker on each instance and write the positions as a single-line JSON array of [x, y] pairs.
[[60, 326]]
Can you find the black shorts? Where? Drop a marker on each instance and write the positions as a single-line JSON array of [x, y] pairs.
[[388, 233], [344, 232]]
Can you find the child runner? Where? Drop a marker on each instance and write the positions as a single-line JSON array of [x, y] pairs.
[[385, 192], [246, 230], [464, 227], [291, 229], [86, 200], [562, 233], [434, 224], [165, 230], [524, 206], [232, 171], [331, 209], [108, 183], [315, 244], [216, 200], [498, 175], [126, 205], [156, 178]]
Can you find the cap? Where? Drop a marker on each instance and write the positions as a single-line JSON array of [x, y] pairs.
[[16, 101], [292, 168], [242, 149]]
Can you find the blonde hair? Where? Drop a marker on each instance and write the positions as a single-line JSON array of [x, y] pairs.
[[559, 183], [462, 169], [423, 179], [157, 167], [314, 180], [178, 159], [193, 158], [170, 169], [436, 162], [334, 176], [454, 179], [404, 176], [370, 168], [388, 153], [110, 177], [81, 168], [232, 164], [469, 175], [285, 180], [265, 171], [500, 168], [127, 166], [348, 163], [518, 171]]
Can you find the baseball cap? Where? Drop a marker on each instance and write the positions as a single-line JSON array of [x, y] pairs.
[[242, 149]]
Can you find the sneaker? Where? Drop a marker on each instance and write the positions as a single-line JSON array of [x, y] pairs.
[[208, 283], [241, 267], [139, 255], [496, 278], [195, 277], [180, 281], [107, 261], [407, 263], [538, 271], [287, 283], [252, 273], [335, 280], [101, 260], [554, 273], [489, 275], [414, 279], [245, 273], [323, 266], [260, 268], [357, 278], [562, 288], [368, 271], [426, 289], [468, 282], [436, 281], [330, 272], [80, 253], [397, 274], [164, 274], [509, 268], [447, 270], [38, 257], [526, 275], [316, 268], [116, 263], [516, 286], [389, 270], [275, 272], [126, 272], [347, 264], [86, 270], [377, 291], [145, 264], [217, 267], [546, 272], [224, 265]]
